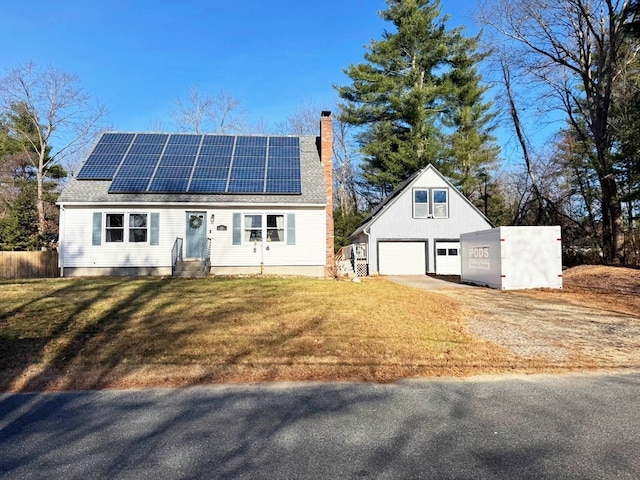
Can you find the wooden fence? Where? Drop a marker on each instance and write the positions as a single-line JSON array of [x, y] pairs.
[[29, 265]]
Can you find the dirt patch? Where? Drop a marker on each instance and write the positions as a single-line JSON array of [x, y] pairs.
[[594, 322]]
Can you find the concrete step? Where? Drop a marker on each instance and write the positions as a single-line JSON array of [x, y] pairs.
[[191, 269]]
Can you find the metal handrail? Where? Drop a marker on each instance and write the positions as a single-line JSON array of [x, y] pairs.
[[206, 254], [176, 254]]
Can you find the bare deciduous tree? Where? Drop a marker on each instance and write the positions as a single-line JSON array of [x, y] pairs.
[[200, 112], [62, 119], [304, 121], [574, 49]]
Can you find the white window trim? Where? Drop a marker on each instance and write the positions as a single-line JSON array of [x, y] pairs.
[[264, 228], [431, 192], [126, 228], [428, 203], [433, 202]]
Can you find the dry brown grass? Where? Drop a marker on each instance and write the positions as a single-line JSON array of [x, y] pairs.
[[614, 289], [95, 333], [132, 332]]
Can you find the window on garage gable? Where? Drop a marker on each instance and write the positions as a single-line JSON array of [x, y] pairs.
[[420, 203], [430, 203], [440, 203]]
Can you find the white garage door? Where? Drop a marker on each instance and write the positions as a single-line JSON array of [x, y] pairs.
[[402, 258], [447, 258]]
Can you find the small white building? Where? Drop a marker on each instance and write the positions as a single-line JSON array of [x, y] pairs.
[[513, 257], [416, 230], [142, 203]]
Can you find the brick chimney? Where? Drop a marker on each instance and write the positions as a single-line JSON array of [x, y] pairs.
[[326, 157]]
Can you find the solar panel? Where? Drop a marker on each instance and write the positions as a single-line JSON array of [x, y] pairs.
[[181, 149], [169, 185], [213, 161], [111, 148], [117, 138], [173, 172], [137, 171], [184, 139], [218, 150], [174, 163], [128, 185], [245, 186], [227, 140], [208, 185], [99, 167], [177, 160], [146, 148], [211, 172], [151, 138], [283, 186], [247, 174]]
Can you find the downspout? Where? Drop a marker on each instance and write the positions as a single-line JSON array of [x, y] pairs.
[[61, 233], [364, 230]]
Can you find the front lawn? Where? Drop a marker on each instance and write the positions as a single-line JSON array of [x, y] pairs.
[[117, 332]]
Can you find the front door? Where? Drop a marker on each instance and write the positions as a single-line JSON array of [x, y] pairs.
[[196, 234]]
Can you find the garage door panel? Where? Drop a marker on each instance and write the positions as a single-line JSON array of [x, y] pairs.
[[402, 258]]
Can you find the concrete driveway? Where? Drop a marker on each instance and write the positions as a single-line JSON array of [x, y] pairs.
[[427, 282]]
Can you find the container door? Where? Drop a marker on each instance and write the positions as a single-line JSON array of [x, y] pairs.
[[196, 234]]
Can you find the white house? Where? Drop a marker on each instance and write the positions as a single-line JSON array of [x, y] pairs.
[[238, 204], [416, 230]]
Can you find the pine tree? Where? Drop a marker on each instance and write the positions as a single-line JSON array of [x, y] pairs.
[[418, 100]]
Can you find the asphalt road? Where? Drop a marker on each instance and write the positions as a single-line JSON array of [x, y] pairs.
[[555, 427]]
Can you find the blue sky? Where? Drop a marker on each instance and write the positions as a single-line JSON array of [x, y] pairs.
[[138, 56]]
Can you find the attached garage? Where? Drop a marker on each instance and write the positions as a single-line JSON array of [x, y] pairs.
[[402, 258], [447, 258]]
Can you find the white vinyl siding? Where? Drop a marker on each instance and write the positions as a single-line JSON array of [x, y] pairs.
[[305, 242], [397, 221], [304, 245]]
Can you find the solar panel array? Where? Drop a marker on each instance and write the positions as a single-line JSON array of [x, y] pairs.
[[188, 163]]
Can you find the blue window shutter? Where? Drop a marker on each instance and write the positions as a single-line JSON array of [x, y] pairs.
[[154, 235], [97, 228], [291, 228], [237, 229]]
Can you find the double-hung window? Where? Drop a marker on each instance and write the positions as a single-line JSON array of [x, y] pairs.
[[114, 227], [256, 227], [430, 203], [253, 228], [137, 227], [275, 228], [440, 203]]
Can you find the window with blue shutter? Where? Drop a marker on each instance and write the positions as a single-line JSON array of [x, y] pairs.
[[237, 228], [96, 238], [154, 236], [291, 229]]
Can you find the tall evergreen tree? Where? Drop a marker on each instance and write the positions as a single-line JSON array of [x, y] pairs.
[[418, 100]]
